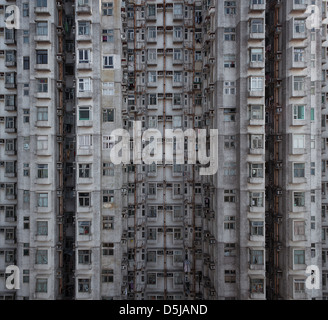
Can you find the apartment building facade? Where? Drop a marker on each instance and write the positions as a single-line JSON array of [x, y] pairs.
[[80, 227]]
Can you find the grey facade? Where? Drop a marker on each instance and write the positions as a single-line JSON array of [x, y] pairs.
[[80, 227]]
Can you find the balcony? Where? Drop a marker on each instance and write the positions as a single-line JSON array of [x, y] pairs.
[[256, 151], [256, 122], [10, 40], [254, 7], [255, 180], [84, 123], [42, 124], [254, 209], [10, 152], [85, 151], [85, 180], [84, 94], [84, 38], [83, 9], [42, 181], [256, 35], [42, 67], [42, 38], [255, 93], [256, 64], [298, 7], [42, 11], [256, 266], [10, 63], [84, 66]]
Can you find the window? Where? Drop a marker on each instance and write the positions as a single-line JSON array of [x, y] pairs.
[[42, 199], [41, 285], [108, 62], [229, 142], [108, 142], [257, 26], [108, 88], [84, 199], [108, 35], [229, 249], [82, 3], [177, 99], [42, 228], [83, 285], [299, 112], [256, 83], [108, 169], [257, 257], [25, 36], [42, 114], [256, 141], [152, 55], [256, 199], [299, 170], [84, 227], [26, 196], [299, 228], [42, 85], [42, 171], [10, 78], [298, 141], [108, 196], [229, 222], [178, 9], [152, 33], [229, 87], [41, 3], [151, 12], [312, 168], [108, 222], [151, 256], [26, 276], [84, 28], [229, 61], [151, 278], [257, 285], [256, 112], [299, 54], [41, 56], [230, 196], [229, 34], [42, 143], [108, 249], [107, 8], [152, 189], [152, 212], [41, 257], [84, 256], [230, 7], [107, 275], [177, 33], [26, 9], [10, 56], [257, 228], [299, 26], [256, 55], [256, 170], [10, 122], [42, 28], [84, 84], [230, 276], [152, 234], [298, 83], [84, 113], [177, 76], [229, 168], [299, 256], [299, 199], [299, 286], [84, 170], [229, 114], [84, 56], [152, 76]]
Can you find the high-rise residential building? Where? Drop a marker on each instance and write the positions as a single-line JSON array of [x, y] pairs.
[[80, 226]]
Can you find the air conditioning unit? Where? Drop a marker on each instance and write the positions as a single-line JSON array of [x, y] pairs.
[[2, 163], [2, 119]]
